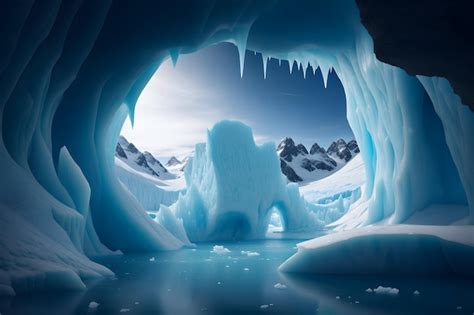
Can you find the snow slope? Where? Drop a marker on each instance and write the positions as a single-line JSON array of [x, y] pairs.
[[144, 162], [350, 177], [149, 190], [304, 167]]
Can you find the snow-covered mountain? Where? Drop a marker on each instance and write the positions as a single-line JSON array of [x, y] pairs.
[[176, 165], [299, 165], [143, 162], [145, 177]]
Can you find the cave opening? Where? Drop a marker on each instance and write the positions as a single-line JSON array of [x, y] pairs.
[[276, 223], [282, 101]]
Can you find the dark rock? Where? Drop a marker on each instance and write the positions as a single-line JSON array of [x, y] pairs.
[[425, 37], [301, 149], [173, 161], [142, 161], [353, 146], [311, 165], [316, 149], [153, 161], [289, 172], [287, 149], [120, 152], [132, 148]]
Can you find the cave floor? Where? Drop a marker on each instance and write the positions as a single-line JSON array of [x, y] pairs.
[[245, 280]]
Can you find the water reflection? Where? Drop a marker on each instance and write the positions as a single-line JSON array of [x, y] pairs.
[[198, 281], [356, 295]]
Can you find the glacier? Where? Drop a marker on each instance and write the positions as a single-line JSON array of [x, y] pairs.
[[232, 186], [71, 72]]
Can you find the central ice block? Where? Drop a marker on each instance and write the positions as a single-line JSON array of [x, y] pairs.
[[233, 184]]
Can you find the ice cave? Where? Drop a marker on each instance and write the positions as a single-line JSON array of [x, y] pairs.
[[83, 230]]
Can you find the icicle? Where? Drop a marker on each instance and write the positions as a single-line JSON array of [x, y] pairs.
[[264, 61], [290, 65], [279, 62], [174, 54], [305, 67], [315, 66], [241, 43], [325, 72]]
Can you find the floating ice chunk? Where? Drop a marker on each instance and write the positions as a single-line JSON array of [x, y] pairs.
[[386, 290], [246, 269], [220, 250], [416, 292], [249, 253], [93, 305], [264, 306], [280, 286], [152, 259], [369, 290], [338, 297], [124, 310]]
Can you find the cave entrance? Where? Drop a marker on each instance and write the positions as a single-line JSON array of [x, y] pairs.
[[276, 223], [279, 99], [300, 108]]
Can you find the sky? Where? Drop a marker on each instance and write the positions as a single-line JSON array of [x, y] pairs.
[[181, 102]]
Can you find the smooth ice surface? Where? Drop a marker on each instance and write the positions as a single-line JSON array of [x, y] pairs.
[[233, 184], [388, 249]]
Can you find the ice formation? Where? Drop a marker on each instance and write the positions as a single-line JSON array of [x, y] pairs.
[[150, 192], [388, 250], [233, 184], [333, 196], [70, 72]]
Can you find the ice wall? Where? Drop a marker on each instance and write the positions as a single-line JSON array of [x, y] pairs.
[[233, 184], [410, 159]]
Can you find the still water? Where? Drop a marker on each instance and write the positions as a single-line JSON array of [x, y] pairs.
[[245, 280]]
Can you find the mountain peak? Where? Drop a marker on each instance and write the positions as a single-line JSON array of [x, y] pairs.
[[315, 148], [173, 161]]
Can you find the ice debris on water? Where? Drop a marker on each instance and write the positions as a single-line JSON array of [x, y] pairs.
[[279, 286], [220, 250], [249, 253], [93, 305]]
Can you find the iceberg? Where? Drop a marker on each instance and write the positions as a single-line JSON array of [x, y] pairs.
[[233, 184]]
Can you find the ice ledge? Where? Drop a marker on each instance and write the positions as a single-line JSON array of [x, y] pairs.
[[395, 250]]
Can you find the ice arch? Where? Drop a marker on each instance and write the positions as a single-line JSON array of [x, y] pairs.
[[67, 67], [233, 184]]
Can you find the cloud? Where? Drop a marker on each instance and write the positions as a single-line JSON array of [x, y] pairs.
[[173, 114]]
